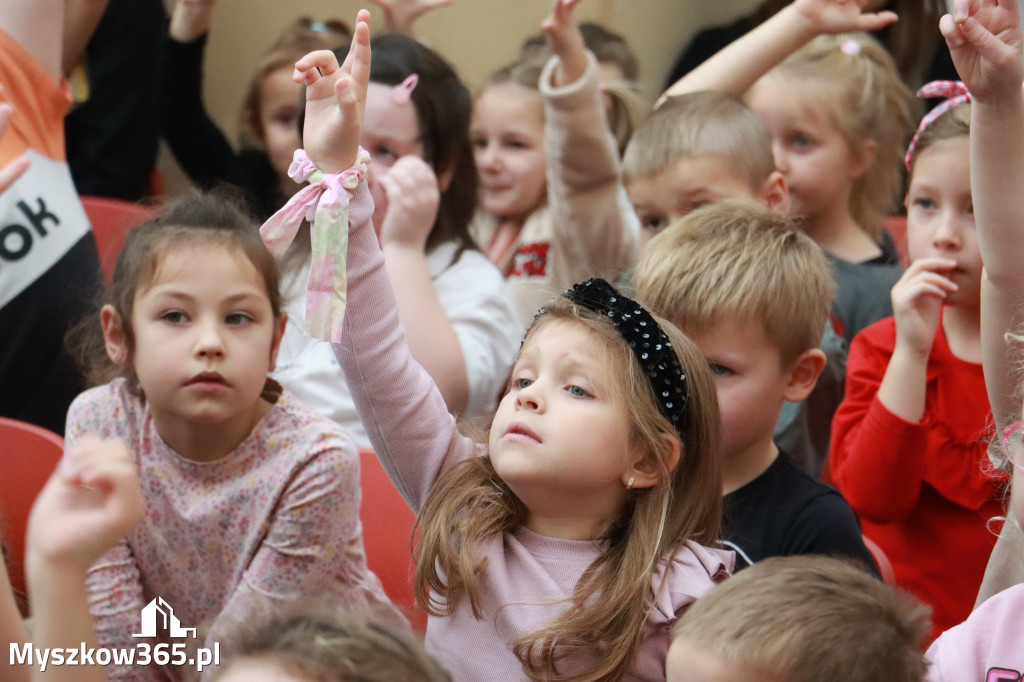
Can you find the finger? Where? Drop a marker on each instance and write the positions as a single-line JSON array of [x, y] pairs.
[[12, 171], [315, 66], [950, 30], [360, 53], [876, 21], [346, 96]]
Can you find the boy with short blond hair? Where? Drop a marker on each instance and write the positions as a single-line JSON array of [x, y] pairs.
[[753, 292], [800, 619], [701, 148], [695, 150]]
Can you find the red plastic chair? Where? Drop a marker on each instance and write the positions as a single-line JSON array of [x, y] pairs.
[[388, 526], [884, 565], [28, 455], [896, 226], [112, 220]]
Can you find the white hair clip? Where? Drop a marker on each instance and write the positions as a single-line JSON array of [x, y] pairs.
[[850, 47]]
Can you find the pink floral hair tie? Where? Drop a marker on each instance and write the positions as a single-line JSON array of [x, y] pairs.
[[850, 47], [402, 93], [324, 203], [955, 93]]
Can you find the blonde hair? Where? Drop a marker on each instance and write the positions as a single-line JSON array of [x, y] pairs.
[[912, 41], [701, 124], [738, 259], [954, 123], [324, 643], [855, 80], [613, 598], [294, 42], [809, 618]]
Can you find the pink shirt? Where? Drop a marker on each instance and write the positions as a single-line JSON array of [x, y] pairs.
[[987, 647]]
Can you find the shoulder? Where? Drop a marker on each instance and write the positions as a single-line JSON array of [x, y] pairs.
[[111, 410], [880, 335], [686, 575], [987, 641], [304, 433]]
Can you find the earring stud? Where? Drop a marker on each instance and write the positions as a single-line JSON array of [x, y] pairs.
[[629, 483]]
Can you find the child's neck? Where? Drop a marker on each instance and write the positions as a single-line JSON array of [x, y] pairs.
[[962, 326], [838, 233], [740, 468], [208, 442]]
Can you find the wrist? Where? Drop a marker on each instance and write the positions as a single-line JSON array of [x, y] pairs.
[[911, 353], [800, 26], [188, 24]]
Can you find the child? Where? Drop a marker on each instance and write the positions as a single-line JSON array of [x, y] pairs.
[[554, 212], [268, 121], [568, 544], [839, 115], [451, 299], [753, 294], [800, 619], [700, 148], [985, 41], [248, 491], [318, 644], [907, 441]]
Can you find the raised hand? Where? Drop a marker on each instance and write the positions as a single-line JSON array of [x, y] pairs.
[[916, 301], [13, 170], [984, 39], [413, 198], [566, 41], [841, 16], [91, 502], [336, 100], [400, 15], [190, 19]]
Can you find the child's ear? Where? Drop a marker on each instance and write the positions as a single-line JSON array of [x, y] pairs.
[[643, 470], [113, 336], [803, 374], [775, 194], [864, 155], [275, 345]]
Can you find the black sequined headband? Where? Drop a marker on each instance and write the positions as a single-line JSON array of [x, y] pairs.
[[648, 341]]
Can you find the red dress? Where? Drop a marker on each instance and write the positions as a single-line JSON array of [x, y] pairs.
[[924, 492]]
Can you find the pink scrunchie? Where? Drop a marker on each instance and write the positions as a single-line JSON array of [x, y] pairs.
[[324, 203]]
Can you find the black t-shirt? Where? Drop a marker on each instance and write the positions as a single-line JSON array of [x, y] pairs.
[[786, 512]]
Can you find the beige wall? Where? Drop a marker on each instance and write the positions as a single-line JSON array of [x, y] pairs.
[[477, 36]]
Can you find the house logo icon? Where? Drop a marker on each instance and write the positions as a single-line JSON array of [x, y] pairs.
[[158, 608]]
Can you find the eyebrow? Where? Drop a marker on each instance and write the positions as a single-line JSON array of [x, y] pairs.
[[233, 299]]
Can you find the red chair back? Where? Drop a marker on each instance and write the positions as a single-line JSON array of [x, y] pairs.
[[388, 526], [111, 221], [28, 455]]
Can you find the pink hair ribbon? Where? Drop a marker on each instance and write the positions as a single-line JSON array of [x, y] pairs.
[[324, 203], [402, 92], [955, 93]]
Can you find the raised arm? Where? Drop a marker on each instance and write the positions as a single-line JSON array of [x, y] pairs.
[[89, 504], [33, 24], [740, 64], [984, 38], [13, 170]]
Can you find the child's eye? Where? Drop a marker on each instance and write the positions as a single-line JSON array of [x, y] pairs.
[[577, 392], [652, 223], [801, 142], [384, 155], [521, 383], [719, 370], [238, 319], [924, 203], [478, 143], [174, 317], [517, 144]]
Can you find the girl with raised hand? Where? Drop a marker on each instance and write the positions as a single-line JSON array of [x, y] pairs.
[[908, 438], [839, 116], [553, 208], [249, 493], [567, 545], [452, 301], [984, 38]]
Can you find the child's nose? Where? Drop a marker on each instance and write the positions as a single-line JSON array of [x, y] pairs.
[[489, 157], [948, 233], [209, 341], [529, 398]]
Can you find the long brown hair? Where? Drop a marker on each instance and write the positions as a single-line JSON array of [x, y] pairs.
[[470, 503]]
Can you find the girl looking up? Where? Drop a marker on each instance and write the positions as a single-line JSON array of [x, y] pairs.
[[248, 491], [452, 301], [553, 208], [908, 439], [985, 41], [566, 545], [839, 116]]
